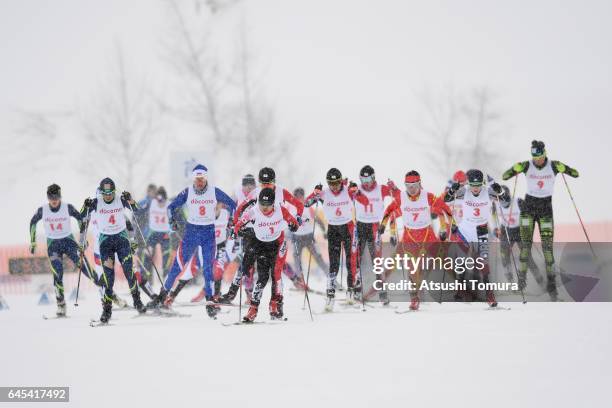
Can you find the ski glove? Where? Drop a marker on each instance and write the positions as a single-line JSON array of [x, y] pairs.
[[87, 203], [293, 227], [496, 188], [381, 229]]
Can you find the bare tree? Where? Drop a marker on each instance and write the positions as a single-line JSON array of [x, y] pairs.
[[461, 130], [224, 97], [440, 125], [121, 129], [32, 130], [486, 132]]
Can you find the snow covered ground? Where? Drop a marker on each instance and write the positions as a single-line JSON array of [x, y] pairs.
[[535, 355]]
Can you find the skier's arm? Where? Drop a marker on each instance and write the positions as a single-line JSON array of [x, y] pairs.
[[518, 168], [37, 217], [455, 192], [222, 197], [389, 211], [559, 167], [357, 195], [177, 203], [290, 219], [299, 206], [438, 207], [314, 196], [243, 220]]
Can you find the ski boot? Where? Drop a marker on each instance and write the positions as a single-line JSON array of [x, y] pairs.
[[414, 303], [230, 295], [276, 309], [384, 298], [350, 296], [157, 299], [169, 300], [211, 308], [107, 311], [138, 303], [120, 303], [61, 308], [551, 288], [298, 283], [522, 281], [491, 299], [251, 314], [330, 300]]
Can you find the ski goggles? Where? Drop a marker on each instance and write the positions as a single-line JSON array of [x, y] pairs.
[[107, 191], [334, 183], [413, 185], [54, 196], [367, 179], [475, 184]]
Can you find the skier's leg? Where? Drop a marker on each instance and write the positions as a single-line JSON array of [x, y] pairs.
[[185, 251], [54, 252], [546, 227], [334, 245], [124, 252]]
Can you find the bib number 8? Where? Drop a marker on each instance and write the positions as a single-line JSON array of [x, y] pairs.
[[202, 210]]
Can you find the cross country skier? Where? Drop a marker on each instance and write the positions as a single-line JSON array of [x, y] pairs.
[[157, 232], [267, 179], [474, 225], [509, 235], [418, 208], [369, 216], [55, 216], [268, 218], [303, 238], [540, 173], [200, 200], [113, 238], [338, 199]]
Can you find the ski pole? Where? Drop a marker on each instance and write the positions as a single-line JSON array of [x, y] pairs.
[[82, 240], [501, 211], [306, 298], [578, 214]]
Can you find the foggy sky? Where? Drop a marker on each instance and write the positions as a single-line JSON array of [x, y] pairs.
[[343, 77]]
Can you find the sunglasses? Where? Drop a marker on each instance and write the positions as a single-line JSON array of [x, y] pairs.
[[368, 179]]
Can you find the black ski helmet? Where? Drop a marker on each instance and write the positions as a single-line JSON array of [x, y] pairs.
[[267, 175], [161, 191], [475, 177], [266, 197], [298, 192], [248, 180], [334, 175], [537, 148], [54, 192], [366, 171], [107, 186]]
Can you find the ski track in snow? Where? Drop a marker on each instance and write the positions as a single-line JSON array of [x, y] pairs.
[[535, 355]]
